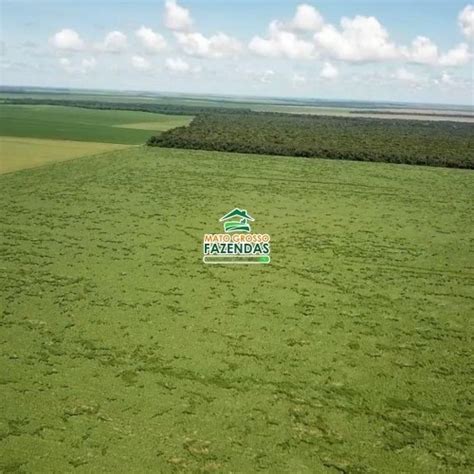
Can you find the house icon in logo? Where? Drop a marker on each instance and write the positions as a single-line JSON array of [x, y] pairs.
[[240, 225]]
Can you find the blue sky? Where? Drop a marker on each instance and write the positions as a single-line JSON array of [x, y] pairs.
[[400, 50]]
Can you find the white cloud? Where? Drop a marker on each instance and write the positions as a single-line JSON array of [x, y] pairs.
[[114, 42], [406, 76], [140, 63], [457, 56], [177, 65], [307, 18], [425, 51], [447, 79], [422, 51], [82, 67], [449, 82], [217, 46], [194, 43], [407, 79], [177, 17], [281, 43], [153, 42], [67, 40], [359, 39], [466, 21], [329, 71], [261, 77], [298, 79]]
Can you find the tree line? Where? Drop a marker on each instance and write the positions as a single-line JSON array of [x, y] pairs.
[[167, 109], [448, 144]]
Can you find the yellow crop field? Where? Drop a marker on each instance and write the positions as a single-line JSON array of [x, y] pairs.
[[18, 153]]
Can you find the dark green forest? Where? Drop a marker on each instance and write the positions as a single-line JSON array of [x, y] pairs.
[[448, 144], [419, 142], [168, 109]]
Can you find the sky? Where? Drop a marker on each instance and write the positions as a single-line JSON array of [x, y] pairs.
[[399, 50]]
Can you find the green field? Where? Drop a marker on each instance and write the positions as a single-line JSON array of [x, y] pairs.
[[120, 351], [31, 136], [72, 123], [17, 153]]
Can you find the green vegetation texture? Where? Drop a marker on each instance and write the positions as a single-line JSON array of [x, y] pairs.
[[18, 153], [418, 142], [120, 351], [73, 123], [269, 104], [171, 107]]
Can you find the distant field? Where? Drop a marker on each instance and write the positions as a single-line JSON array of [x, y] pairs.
[[456, 113], [120, 351], [72, 123], [18, 153], [160, 126]]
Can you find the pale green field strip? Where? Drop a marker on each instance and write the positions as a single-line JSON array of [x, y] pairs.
[[19, 153], [436, 116], [159, 126]]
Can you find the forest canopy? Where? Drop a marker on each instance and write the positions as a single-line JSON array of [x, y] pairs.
[[163, 108], [419, 142]]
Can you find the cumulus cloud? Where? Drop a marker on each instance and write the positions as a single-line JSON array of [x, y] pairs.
[[114, 42], [140, 63], [216, 46], [457, 56], [305, 36], [425, 51], [421, 51], [193, 43], [281, 43], [466, 21], [67, 40], [329, 71], [81, 67], [359, 39], [177, 17], [307, 18], [153, 42], [177, 65]]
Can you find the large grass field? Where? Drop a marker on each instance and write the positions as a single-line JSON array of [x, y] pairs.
[[31, 136], [120, 351], [72, 123], [17, 153]]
